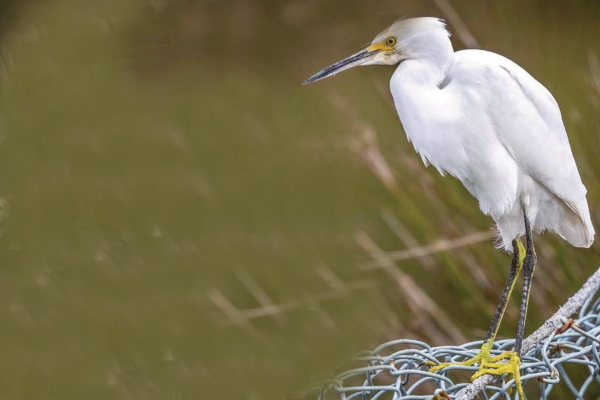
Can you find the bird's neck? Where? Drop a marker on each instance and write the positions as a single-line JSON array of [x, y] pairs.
[[422, 74], [423, 104], [429, 63]]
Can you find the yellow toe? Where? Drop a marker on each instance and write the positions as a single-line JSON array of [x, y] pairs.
[[482, 357], [489, 365], [512, 367]]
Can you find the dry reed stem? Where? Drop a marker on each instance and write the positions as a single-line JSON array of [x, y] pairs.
[[439, 246], [459, 25], [417, 298]]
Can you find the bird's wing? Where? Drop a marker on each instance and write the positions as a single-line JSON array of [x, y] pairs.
[[528, 122]]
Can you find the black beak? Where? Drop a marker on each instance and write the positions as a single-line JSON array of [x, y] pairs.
[[356, 59]]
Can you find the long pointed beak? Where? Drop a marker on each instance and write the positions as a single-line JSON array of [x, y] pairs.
[[356, 59]]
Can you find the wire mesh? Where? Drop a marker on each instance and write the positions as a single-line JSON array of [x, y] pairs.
[[566, 362]]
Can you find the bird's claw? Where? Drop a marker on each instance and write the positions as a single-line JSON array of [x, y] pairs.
[[512, 367], [490, 365], [482, 358]]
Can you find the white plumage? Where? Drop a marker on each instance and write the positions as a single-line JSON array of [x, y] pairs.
[[486, 121], [483, 119]]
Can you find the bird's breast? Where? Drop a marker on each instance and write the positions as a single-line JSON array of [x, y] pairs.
[[434, 124]]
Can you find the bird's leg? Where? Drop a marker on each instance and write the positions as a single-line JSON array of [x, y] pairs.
[[529, 265], [484, 357], [514, 364]]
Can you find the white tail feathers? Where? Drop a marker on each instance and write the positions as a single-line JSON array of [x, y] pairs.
[[576, 225]]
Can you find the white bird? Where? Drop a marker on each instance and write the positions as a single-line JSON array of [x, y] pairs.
[[481, 118]]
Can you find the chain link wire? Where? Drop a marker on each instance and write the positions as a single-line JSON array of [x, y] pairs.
[[566, 362]]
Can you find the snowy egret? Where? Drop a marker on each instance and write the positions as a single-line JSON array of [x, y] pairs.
[[483, 119]]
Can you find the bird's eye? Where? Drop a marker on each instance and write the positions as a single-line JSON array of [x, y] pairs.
[[391, 41]]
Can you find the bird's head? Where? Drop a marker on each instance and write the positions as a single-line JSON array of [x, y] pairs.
[[404, 39]]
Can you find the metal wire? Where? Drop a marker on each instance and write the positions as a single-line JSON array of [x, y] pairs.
[[567, 362]]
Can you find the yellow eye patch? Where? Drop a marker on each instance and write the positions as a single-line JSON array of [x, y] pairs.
[[385, 45]]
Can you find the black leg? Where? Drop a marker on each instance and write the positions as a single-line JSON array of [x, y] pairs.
[[515, 269], [507, 362], [528, 270]]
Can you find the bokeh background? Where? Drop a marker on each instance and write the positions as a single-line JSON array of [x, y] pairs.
[[181, 219]]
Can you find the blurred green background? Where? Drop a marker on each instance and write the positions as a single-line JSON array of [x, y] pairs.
[[182, 220]]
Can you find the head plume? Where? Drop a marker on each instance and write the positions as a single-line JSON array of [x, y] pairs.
[[406, 28]]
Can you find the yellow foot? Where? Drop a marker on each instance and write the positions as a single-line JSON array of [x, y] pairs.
[[511, 367], [490, 365], [483, 358]]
